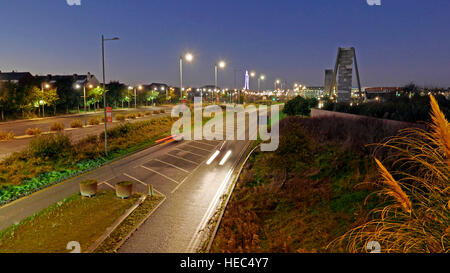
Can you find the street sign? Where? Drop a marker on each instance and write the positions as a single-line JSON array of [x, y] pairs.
[[109, 114]]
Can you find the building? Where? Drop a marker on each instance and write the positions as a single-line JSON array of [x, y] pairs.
[[312, 91], [381, 93], [328, 81], [160, 87], [87, 80], [16, 77]]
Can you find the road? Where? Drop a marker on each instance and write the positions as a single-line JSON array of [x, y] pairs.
[[19, 128], [178, 170]]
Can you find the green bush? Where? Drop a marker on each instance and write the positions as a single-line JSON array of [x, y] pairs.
[[403, 108], [51, 146], [300, 106]]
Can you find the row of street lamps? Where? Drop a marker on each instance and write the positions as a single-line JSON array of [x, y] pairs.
[[189, 57]]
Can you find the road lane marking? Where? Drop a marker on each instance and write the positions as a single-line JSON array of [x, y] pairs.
[[163, 175], [134, 178], [188, 144], [167, 163], [192, 173], [199, 142], [107, 184], [189, 152], [187, 160]]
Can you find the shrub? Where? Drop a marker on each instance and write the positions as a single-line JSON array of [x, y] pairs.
[[6, 136], [406, 109], [139, 114], [148, 113], [300, 106], [131, 116], [415, 216], [94, 121], [120, 117], [76, 124], [57, 126], [51, 146], [33, 131]]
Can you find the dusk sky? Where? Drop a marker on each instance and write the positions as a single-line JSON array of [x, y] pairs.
[[397, 42]]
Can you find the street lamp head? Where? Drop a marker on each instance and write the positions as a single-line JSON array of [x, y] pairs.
[[222, 64], [189, 57], [252, 74], [263, 77], [140, 87], [90, 86], [47, 86], [77, 86], [278, 81]]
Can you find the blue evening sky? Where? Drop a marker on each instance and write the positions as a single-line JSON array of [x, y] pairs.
[[397, 42]]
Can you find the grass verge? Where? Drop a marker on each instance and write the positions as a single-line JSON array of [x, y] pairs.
[[76, 218]]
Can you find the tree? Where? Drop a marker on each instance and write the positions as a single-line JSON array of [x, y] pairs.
[[115, 92], [68, 96], [152, 96], [96, 94], [31, 99], [4, 97], [50, 98], [300, 106]]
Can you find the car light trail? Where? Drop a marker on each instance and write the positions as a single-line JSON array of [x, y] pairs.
[[225, 158], [211, 159], [163, 139]]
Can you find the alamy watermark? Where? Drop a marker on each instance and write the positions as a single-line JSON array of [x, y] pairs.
[[213, 129], [73, 2], [374, 2]]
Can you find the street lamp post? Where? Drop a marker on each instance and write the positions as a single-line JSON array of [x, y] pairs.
[[77, 86], [222, 65], [252, 75], [104, 90], [261, 78], [46, 86], [188, 57]]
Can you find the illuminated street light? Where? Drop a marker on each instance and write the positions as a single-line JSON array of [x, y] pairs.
[[44, 86], [222, 65], [189, 58], [261, 78]]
